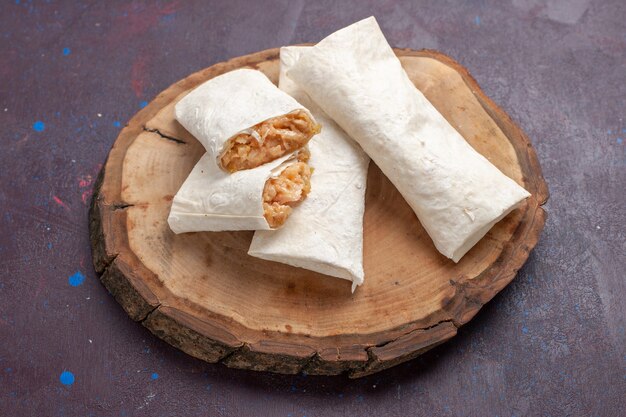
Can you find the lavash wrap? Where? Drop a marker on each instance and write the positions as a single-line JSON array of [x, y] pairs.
[[456, 193], [213, 200], [229, 104], [325, 232]]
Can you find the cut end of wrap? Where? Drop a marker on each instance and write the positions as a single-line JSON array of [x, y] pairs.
[[286, 190], [268, 141]]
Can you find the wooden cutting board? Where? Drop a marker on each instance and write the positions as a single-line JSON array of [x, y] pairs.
[[202, 293]]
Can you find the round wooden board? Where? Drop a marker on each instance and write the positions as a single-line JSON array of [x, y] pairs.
[[202, 293]]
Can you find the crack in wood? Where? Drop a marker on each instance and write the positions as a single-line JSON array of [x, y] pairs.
[[107, 264], [419, 329], [164, 136], [121, 206], [233, 352], [148, 314]]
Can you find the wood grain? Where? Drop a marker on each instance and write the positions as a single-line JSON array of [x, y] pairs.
[[201, 293]]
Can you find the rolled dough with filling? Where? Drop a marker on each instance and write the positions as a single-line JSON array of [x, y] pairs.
[[244, 121], [325, 233], [255, 199], [456, 193]]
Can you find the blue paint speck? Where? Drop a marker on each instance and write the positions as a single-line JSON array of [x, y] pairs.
[[76, 279], [117, 124], [208, 387], [143, 104], [608, 132], [154, 376], [67, 378], [623, 130], [525, 330], [39, 126], [49, 245], [7, 370], [477, 20], [66, 51], [619, 140], [168, 17]]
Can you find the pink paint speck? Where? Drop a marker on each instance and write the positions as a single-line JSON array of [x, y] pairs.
[[85, 181], [138, 74], [60, 202], [136, 18], [86, 196]]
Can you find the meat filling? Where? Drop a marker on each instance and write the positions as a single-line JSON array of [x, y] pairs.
[[286, 190], [268, 140]]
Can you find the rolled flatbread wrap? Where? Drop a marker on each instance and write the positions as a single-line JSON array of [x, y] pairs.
[[456, 193], [260, 198], [244, 120], [325, 233]]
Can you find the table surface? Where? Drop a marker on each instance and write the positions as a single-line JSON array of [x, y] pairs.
[[71, 74]]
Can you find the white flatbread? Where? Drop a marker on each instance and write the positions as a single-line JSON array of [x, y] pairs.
[[325, 232], [229, 104], [212, 200], [456, 193]]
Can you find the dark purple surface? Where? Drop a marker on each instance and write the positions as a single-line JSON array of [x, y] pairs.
[[552, 343]]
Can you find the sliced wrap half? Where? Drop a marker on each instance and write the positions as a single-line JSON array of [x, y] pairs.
[[325, 233], [213, 200], [244, 120], [456, 193]]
